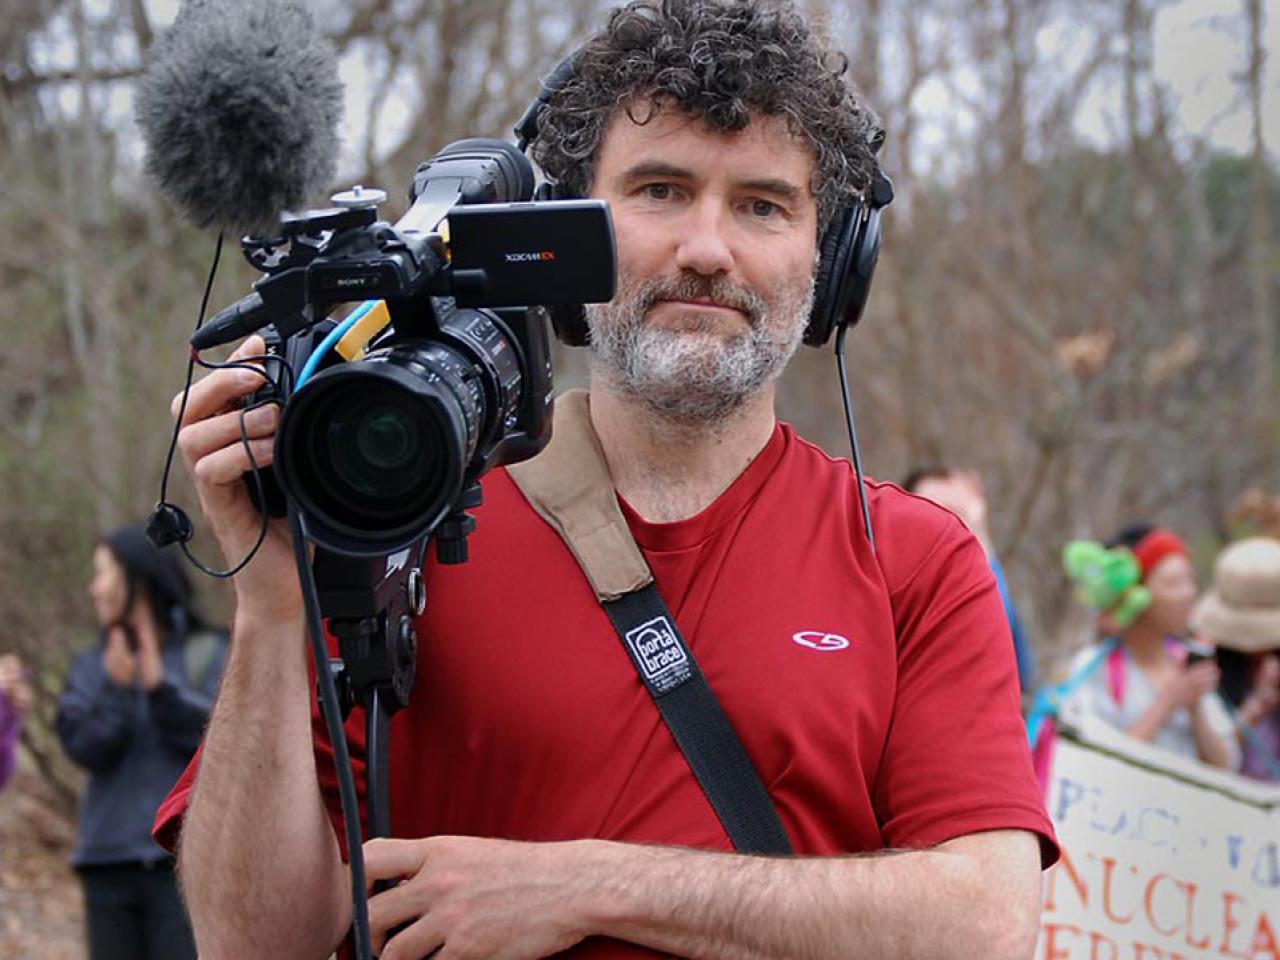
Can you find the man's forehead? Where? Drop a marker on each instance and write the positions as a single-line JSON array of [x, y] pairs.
[[662, 128]]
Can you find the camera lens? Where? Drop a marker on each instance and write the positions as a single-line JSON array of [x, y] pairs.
[[374, 452], [379, 450]]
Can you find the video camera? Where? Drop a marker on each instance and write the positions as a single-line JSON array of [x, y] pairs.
[[447, 377], [396, 411]]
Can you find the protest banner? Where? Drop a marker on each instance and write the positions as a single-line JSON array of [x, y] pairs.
[[1162, 859]]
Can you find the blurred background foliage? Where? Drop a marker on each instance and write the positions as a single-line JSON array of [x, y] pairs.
[[1088, 320]]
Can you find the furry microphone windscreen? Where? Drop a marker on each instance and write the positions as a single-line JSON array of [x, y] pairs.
[[239, 107]]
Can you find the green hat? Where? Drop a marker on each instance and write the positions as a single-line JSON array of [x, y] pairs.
[[1107, 579]]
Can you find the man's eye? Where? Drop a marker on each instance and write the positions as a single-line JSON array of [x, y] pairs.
[[764, 209], [658, 191]]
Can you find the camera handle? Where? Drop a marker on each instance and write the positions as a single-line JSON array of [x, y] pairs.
[[369, 605], [375, 670], [378, 650]]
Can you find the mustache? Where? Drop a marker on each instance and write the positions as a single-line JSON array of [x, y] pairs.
[[696, 286]]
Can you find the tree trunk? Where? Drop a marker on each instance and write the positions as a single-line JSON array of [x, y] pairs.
[[1259, 255]]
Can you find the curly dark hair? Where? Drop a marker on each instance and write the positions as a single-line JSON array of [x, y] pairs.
[[720, 60]]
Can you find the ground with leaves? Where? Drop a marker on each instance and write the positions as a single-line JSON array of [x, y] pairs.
[[41, 911]]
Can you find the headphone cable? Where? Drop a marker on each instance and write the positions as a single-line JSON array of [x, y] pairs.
[[853, 434]]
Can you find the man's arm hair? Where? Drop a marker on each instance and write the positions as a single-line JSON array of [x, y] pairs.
[[258, 860], [975, 896]]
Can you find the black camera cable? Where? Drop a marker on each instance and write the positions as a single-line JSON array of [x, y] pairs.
[[331, 710], [169, 523]]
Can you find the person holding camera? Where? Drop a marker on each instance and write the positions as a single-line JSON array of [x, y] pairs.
[[132, 713], [1150, 683], [538, 803]]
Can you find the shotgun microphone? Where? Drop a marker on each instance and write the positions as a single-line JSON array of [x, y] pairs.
[[239, 106]]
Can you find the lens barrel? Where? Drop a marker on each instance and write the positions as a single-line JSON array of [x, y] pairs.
[[374, 452]]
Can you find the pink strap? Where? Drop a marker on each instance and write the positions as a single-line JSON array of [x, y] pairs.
[[1115, 674]]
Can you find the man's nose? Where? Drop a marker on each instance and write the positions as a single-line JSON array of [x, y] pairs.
[[703, 246]]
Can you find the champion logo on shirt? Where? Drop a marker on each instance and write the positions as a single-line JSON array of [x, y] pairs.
[[820, 640]]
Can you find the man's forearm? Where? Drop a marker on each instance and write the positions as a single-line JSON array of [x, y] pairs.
[[259, 864], [975, 897]]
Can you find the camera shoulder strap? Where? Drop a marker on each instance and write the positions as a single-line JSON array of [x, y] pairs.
[[569, 486]]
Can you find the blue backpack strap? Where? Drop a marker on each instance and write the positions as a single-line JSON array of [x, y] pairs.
[[1050, 699]]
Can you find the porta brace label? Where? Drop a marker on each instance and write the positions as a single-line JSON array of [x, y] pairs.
[[659, 654]]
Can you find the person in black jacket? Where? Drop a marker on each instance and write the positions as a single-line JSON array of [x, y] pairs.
[[132, 713]]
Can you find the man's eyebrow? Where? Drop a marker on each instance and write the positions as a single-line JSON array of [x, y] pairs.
[[783, 189], [656, 168]]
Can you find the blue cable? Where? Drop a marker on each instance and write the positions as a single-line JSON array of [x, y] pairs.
[[336, 334]]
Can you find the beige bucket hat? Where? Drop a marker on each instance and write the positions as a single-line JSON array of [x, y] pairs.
[[1241, 611]]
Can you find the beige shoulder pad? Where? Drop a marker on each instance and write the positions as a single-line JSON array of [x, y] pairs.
[[568, 484]]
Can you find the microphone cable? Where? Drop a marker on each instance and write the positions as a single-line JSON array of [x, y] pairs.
[[169, 523], [331, 710]]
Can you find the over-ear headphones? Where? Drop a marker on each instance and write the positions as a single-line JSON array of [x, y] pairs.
[[848, 249]]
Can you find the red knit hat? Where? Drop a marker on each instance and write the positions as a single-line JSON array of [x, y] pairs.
[[1155, 546]]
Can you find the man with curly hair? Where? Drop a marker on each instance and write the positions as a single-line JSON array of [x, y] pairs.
[[539, 804]]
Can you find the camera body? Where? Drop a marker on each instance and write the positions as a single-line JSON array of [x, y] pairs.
[[382, 445]]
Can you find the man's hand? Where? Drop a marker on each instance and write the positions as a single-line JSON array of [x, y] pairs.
[[215, 455], [471, 897], [118, 660]]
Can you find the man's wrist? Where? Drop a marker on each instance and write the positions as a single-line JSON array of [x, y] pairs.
[[587, 873], [252, 616]]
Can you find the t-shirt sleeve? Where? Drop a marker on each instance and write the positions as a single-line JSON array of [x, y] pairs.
[[956, 760], [173, 809]]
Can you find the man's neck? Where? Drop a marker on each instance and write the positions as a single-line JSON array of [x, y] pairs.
[[670, 471]]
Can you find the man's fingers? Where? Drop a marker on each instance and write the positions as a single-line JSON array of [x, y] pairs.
[[388, 859], [204, 437], [393, 908], [231, 463], [419, 939], [220, 389]]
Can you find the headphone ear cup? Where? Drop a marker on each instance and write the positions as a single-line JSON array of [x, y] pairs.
[[830, 286]]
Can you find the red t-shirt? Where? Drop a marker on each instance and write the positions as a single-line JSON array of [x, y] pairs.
[[876, 694]]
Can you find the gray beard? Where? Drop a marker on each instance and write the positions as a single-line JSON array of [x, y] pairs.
[[687, 376]]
